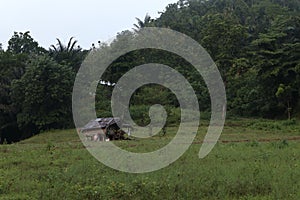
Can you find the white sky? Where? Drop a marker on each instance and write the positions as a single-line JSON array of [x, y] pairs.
[[87, 20]]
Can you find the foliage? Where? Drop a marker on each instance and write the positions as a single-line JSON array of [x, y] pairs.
[[69, 54], [255, 44], [12, 67], [24, 43], [43, 95], [251, 42], [141, 24]]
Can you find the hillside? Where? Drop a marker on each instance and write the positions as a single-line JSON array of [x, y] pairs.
[[254, 43]]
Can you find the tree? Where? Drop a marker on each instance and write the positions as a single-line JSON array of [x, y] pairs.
[[43, 95], [255, 44], [69, 54], [141, 24], [285, 94], [224, 38], [24, 43], [12, 67], [275, 57]]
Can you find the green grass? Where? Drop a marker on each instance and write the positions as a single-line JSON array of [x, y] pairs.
[[254, 159]]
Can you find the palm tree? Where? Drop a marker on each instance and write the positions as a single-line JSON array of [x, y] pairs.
[[67, 54], [62, 48], [141, 24]]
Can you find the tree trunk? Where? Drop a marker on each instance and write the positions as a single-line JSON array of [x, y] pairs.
[[289, 109]]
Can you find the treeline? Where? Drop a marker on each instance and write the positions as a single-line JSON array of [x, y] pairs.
[[255, 44], [36, 86]]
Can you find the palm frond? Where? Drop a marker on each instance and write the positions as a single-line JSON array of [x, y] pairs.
[[69, 44], [73, 44], [60, 44], [53, 47]]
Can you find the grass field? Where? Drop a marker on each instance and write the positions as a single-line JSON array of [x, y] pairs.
[[254, 159]]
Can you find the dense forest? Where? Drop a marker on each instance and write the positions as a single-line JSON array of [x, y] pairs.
[[255, 44]]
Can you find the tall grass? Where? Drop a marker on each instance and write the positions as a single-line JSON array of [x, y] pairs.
[[55, 165]]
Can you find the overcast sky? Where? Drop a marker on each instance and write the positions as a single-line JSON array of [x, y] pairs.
[[86, 20]]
